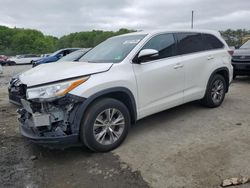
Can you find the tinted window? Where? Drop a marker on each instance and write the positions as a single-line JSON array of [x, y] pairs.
[[211, 42], [189, 43], [65, 52], [164, 44]]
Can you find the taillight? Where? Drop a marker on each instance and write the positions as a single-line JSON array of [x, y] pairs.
[[231, 52]]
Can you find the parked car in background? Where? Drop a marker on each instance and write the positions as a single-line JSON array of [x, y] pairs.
[[55, 56], [23, 59], [3, 59], [45, 55], [74, 56], [241, 60], [124, 79]]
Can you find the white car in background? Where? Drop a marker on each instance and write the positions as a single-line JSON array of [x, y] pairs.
[[23, 59]]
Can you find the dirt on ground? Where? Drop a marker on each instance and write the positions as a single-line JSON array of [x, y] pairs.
[[187, 146], [24, 164]]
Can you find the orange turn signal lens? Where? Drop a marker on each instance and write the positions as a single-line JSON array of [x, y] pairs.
[[72, 86]]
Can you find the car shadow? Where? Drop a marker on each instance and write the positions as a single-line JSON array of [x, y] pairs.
[[165, 117]]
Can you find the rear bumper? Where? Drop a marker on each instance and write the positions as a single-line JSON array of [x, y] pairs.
[[242, 68]]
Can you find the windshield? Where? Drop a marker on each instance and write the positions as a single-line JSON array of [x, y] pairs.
[[112, 50], [245, 45], [74, 55]]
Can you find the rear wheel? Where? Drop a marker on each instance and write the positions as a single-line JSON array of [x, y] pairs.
[[216, 91], [105, 125], [234, 76]]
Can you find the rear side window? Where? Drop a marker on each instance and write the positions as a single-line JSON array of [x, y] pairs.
[[164, 44], [211, 42], [189, 43]]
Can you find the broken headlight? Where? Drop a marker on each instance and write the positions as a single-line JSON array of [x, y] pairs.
[[54, 90]]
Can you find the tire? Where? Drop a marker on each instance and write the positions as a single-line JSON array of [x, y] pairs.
[[98, 132], [217, 88], [234, 76], [10, 63]]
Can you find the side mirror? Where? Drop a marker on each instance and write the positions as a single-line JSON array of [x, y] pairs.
[[237, 47], [147, 53]]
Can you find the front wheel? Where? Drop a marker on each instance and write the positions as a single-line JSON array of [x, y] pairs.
[[216, 91], [105, 125]]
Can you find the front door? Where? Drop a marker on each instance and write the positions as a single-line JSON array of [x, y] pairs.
[[160, 79]]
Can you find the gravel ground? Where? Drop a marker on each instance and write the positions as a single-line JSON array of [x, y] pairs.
[[23, 164], [9, 71], [187, 146]]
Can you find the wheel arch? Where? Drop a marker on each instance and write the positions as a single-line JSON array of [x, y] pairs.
[[223, 71], [120, 93]]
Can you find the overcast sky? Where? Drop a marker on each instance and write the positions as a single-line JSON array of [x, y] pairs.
[[60, 17]]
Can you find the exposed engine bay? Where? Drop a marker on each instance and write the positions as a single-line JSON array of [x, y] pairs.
[[50, 119]]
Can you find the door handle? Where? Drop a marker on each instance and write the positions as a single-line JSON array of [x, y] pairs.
[[210, 57], [178, 65]]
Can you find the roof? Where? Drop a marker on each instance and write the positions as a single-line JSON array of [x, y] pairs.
[[214, 32]]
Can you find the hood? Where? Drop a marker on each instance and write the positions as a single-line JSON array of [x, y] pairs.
[[52, 72], [241, 52]]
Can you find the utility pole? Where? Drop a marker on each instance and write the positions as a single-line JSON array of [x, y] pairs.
[[192, 20]]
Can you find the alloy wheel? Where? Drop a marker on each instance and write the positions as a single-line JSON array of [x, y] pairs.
[[108, 126], [217, 91]]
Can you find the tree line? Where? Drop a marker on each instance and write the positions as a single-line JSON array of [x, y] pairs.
[[234, 37], [15, 41], [25, 41]]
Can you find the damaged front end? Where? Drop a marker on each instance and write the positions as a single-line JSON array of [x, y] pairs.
[[54, 122], [17, 90]]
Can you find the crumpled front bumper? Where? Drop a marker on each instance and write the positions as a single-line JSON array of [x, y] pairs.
[[46, 129], [61, 141], [17, 91]]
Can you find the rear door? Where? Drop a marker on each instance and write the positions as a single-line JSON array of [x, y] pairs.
[[196, 61], [160, 79]]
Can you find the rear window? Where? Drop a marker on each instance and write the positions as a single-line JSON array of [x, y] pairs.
[[211, 42], [189, 43], [197, 42]]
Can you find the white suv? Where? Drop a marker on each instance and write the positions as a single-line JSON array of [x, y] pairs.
[[120, 81]]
